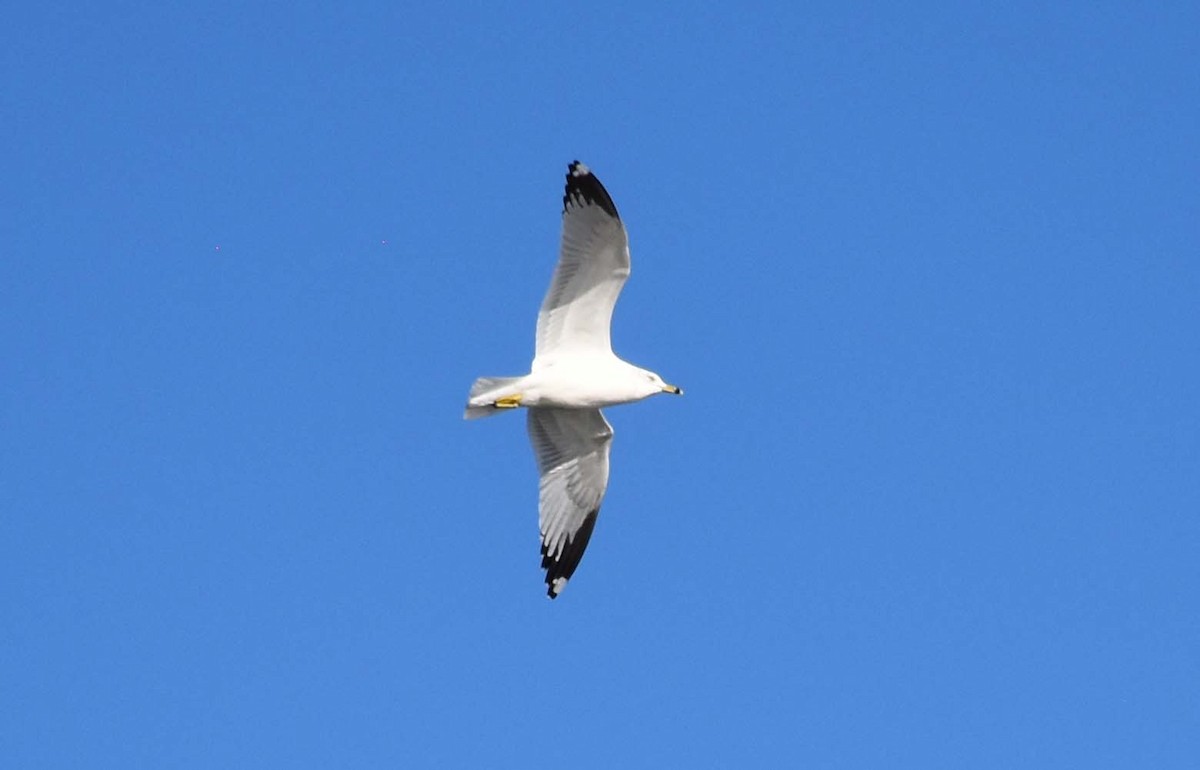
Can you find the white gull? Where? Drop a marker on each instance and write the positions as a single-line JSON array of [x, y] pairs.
[[574, 373]]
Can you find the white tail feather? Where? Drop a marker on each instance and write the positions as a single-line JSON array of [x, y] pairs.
[[484, 393]]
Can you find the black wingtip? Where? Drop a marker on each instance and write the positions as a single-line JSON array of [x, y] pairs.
[[583, 188], [562, 568]]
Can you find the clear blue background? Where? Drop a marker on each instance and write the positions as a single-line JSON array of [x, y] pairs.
[[928, 273]]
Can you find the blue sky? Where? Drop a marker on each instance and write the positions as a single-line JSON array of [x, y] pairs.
[[929, 275]]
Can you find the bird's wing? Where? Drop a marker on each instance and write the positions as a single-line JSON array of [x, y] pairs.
[[571, 446], [593, 264]]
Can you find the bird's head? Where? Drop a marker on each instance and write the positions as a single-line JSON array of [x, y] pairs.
[[656, 385]]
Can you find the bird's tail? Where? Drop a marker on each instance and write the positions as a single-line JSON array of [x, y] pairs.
[[484, 393]]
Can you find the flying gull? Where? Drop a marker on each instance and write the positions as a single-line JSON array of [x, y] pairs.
[[574, 373]]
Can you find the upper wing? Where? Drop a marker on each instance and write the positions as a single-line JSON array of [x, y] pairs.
[[593, 264], [571, 446]]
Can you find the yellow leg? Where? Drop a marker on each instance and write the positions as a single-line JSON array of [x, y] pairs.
[[509, 402]]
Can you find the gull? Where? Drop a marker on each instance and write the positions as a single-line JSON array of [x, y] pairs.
[[574, 373]]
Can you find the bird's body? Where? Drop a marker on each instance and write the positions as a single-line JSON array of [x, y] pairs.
[[574, 373], [579, 382]]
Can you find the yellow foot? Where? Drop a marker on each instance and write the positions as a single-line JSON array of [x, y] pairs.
[[509, 402]]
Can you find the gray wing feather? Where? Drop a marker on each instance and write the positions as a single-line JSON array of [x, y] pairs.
[[593, 265], [571, 446]]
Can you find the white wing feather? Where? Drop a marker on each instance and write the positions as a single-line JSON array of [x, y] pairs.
[[572, 447], [592, 267]]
